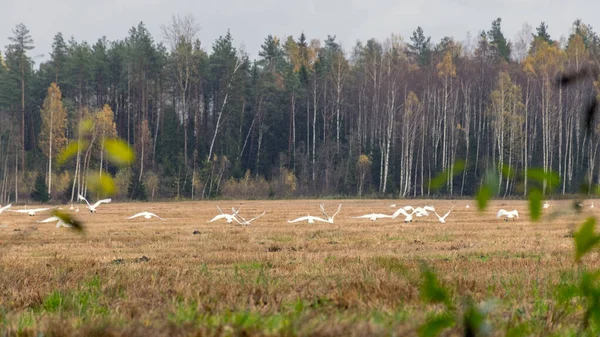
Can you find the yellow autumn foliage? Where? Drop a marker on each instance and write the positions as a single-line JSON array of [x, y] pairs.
[[545, 61], [446, 67], [54, 123]]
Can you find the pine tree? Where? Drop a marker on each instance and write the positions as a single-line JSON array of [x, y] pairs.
[[420, 47], [498, 41], [303, 51], [542, 33], [21, 42], [100, 70], [40, 190], [78, 70], [59, 55]]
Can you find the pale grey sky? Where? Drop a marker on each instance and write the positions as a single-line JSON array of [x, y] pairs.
[[250, 21]]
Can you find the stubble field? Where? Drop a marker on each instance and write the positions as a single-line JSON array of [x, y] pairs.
[[355, 277]]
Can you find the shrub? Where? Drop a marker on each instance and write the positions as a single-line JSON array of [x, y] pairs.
[[122, 179], [284, 184], [246, 188]]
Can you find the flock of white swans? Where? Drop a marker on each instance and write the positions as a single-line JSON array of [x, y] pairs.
[[409, 213], [60, 222]]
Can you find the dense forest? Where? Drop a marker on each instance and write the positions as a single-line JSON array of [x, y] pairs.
[[307, 118]]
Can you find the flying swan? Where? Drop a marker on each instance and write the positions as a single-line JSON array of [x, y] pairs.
[[330, 218], [245, 222], [31, 212], [509, 215], [59, 222], [93, 207], [420, 211], [146, 215], [442, 219], [5, 208], [374, 216], [407, 217], [228, 217], [308, 218]]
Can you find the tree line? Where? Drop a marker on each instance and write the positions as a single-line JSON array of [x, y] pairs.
[[306, 118]]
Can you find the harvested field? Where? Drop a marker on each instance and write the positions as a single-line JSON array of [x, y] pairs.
[[355, 277]]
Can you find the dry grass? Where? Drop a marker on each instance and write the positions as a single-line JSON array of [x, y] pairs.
[[354, 277]]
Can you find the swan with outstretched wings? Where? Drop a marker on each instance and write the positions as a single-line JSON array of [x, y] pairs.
[[509, 215], [92, 208], [228, 217], [146, 215]]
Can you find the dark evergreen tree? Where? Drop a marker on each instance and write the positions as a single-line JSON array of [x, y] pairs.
[[303, 58], [269, 87], [20, 70], [540, 36], [78, 72], [136, 189], [58, 56], [420, 48], [40, 190], [498, 41], [100, 71], [9, 83], [542, 33]]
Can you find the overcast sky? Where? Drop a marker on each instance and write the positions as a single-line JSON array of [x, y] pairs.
[[250, 21]]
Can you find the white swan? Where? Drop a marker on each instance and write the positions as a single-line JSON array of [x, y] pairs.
[[407, 217], [146, 215], [5, 208], [245, 222], [442, 219], [509, 215], [31, 212], [93, 207], [420, 211], [228, 217], [59, 222], [374, 216], [425, 210], [308, 218], [330, 218]]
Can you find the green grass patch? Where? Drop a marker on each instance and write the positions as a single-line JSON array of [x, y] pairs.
[[86, 302], [391, 264], [253, 265], [184, 312], [25, 322]]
